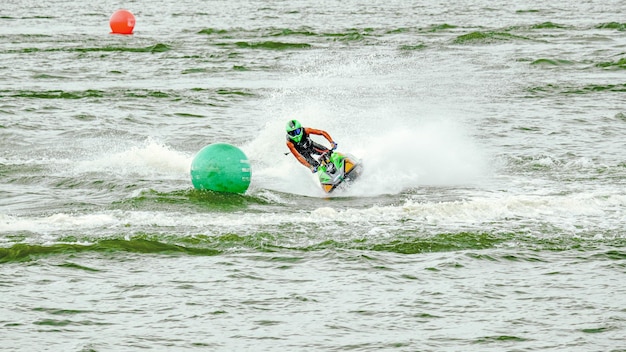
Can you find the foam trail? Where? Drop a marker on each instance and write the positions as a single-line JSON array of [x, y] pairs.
[[598, 210], [147, 159], [397, 156]]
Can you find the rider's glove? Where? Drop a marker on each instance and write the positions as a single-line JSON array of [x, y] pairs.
[[313, 169], [334, 145]]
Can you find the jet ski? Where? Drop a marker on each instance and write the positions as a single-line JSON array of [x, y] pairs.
[[337, 170]]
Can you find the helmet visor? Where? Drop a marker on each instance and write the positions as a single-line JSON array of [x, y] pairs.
[[295, 132]]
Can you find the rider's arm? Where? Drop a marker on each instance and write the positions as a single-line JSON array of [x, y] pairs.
[[320, 133], [298, 156]]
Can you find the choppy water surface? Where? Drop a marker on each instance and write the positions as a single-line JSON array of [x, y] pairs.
[[490, 216]]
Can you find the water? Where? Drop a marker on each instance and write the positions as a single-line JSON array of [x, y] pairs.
[[489, 216]]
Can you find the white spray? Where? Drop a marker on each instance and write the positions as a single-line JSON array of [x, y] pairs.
[[404, 140]]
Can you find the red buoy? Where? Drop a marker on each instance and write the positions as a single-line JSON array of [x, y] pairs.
[[122, 22]]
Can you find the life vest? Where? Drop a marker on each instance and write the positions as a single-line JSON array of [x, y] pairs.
[[307, 147]]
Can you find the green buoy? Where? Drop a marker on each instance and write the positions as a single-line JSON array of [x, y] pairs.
[[221, 167]]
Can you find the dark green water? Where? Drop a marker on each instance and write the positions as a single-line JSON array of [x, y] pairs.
[[490, 215]]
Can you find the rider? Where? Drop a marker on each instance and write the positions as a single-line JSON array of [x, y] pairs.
[[303, 147]]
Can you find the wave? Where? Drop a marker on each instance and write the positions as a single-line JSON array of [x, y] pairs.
[[193, 199], [612, 25], [351, 34], [359, 34], [548, 25], [619, 64], [413, 47], [199, 245], [53, 94], [551, 62], [156, 48], [212, 214], [270, 45], [24, 252], [213, 93], [487, 37], [506, 34], [254, 39], [562, 163], [579, 90]]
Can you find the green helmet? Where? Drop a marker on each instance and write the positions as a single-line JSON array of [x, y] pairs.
[[295, 130]]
